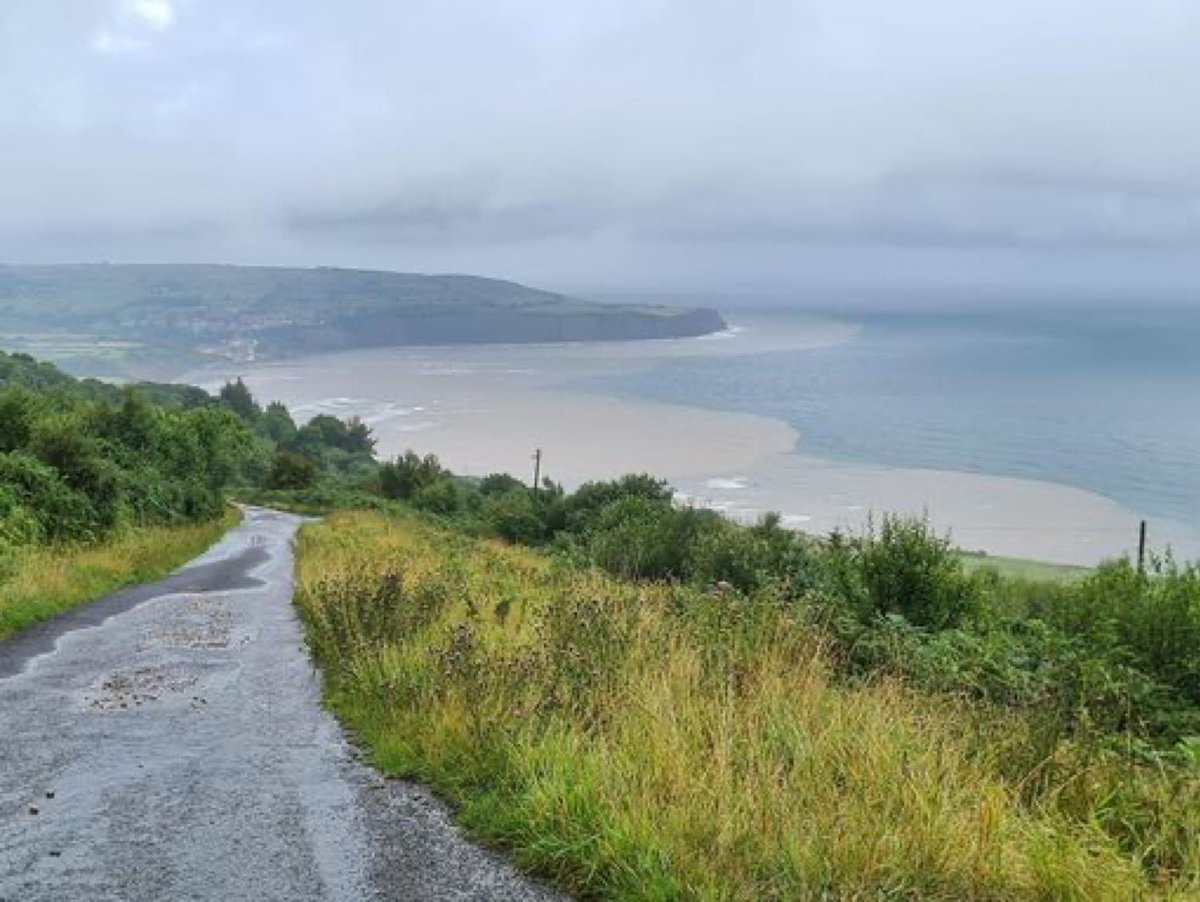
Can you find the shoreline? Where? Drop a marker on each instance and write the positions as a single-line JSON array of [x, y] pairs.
[[985, 515], [484, 409]]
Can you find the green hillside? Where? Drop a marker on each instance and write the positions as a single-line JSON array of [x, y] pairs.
[[109, 314]]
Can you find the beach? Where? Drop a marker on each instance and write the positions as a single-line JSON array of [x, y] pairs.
[[485, 409]]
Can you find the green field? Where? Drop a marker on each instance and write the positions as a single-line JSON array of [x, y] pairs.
[[1019, 568]]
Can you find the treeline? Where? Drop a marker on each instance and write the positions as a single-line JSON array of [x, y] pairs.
[[81, 459]]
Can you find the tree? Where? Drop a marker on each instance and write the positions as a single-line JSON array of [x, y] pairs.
[[439, 497], [16, 418], [584, 506], [133, 424], [499, 484], [359, 439], [327, 432], [907, 569], [515, 516], [292, 471], [236, 396], [403, 477], [277, 424]]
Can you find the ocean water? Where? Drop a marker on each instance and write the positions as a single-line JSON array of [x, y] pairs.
[[1106, 400]]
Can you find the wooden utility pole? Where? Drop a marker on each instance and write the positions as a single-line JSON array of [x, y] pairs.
[[1142, 548], [537, 469]]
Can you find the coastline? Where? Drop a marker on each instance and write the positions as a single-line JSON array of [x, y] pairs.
[[486, 409], [996, 516]]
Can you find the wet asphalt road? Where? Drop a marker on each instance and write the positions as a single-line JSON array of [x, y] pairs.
[[171, 740]]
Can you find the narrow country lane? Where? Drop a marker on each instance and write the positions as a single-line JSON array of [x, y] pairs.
[[168, 743]]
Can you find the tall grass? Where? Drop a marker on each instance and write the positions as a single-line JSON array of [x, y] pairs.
[[37, 582], [653, 741]]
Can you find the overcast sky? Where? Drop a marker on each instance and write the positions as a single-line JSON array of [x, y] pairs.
[[644, 146]]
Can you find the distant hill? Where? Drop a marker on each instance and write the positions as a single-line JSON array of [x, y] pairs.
[[113, 312]]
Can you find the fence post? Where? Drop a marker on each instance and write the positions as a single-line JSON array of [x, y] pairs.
[[1142, 548]]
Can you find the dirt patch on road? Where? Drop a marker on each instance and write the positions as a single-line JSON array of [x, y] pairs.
[[203, 622], [132, 688]]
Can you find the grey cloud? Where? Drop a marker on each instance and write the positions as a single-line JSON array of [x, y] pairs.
[[81, 233], [461, 221], [1019, 209], [652, 141]]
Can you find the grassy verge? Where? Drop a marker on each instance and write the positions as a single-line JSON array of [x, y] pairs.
[[38, 582], [653, 741]]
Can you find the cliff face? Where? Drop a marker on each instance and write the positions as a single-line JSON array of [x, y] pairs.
[[487, 327]]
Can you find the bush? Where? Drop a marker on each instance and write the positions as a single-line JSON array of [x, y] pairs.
[[640, 538], [31, 485], [84, 458], [1151, 620], [440, 497], [292, 471], [17, 406], [277, 424], [18, 524], [325, 432], [583, 507], [515, 516], [403, 477], [750, 559], [908, 570], [500, 484]]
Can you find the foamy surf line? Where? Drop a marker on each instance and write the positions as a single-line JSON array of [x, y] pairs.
[[736, 482], [997, 515]]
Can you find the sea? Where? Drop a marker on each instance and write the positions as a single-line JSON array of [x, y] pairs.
[[1031, 431], [1100, 398]]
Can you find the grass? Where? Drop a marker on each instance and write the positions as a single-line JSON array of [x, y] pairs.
[[658, 742], [36, 583], [1020, 568]]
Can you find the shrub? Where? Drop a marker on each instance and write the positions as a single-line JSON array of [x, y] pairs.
[[61, 512], [500, 484], [439, 497], [17, 406], [750, 559], [1151, 620], [640, 538], [581, 509], [277, 424], [908, 570], [515, 516], [325, 432], [85, 457], [18, 524], [403, 477], [292, 471]]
